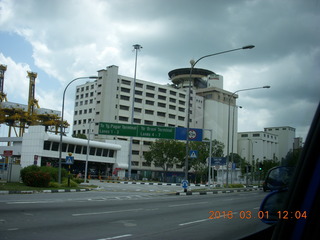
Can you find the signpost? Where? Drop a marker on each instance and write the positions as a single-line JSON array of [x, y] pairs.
[[131, 130], [147, 131], [185, 184]]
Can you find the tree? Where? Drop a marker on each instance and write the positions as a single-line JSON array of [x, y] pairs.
[[292, 158], [79, 135], [165, 153], [200, 164]]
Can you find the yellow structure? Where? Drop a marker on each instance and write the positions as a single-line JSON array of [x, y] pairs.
[[20, 116]]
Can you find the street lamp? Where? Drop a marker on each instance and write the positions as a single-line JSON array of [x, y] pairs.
[[61, 124], [87, 156], [228, 138], [193, 63], [136, 47]]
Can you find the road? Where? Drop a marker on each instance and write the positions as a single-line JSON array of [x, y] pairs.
[[102, 215]]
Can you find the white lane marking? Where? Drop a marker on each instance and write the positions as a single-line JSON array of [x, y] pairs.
[[116, 237], [187, 204], [13, 229], [187, 223], [98, 213], [201, 220]]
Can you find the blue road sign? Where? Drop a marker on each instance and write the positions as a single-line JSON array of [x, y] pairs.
[[195, 134], [69, 159], [218, 161], [193, 153], [185, 184]]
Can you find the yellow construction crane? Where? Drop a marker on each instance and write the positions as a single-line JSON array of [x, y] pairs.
[[22, 116]]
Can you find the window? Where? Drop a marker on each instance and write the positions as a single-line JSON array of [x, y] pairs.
[[149, 112], [244, 135], [173, 100], [105, 152], [71, 148], [78, 149], [162, 90], [256, 135], [148, 102], [137, 92], [125, 82], [162, 97], [172, 107], [151, 95], [139, 85], [46, 145], [161, 105], [173, 93], [55, 146], [161, 114], [92, 151], [181, 109], [182, 102], [122, 107], [182, 95], [172, 116], [111, 153], [138, 100], [99, 152], [136, 120], [124, 119], [126, 90], [148, 122], [146, 164], [126, 98], [138, 110], [150, 87], [181, 118], [135, 152]]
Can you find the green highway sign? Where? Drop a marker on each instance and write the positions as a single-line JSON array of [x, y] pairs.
[[131, 130]]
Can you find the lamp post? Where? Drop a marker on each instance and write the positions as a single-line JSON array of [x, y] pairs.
[[193, 63], [228, 137], [87, 156], [61, 124], [136, 48], [232, 139]]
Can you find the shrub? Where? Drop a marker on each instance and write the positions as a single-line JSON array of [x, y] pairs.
[[78, 180], [26, 170], [54, 185], [54, 172], [37, 179], [65, 183]]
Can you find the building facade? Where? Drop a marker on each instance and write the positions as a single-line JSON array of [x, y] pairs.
[[109, 99]]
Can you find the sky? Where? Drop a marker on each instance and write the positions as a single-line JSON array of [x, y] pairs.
[[64, 39]]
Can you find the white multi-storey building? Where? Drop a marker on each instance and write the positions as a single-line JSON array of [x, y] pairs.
[[109, 99]]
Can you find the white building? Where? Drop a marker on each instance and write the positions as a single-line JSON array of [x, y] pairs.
[[258, 146], [42, 148], [109, 99], [286, 137]]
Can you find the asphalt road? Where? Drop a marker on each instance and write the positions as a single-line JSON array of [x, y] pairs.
[[129, 215]]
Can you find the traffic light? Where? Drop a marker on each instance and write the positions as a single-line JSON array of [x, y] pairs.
[[260, 166]]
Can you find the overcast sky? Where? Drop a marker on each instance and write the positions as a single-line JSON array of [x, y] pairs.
[[65, 39]]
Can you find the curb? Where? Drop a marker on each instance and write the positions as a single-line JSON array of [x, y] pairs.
[[217, 191], [44, 191], [163, 184]]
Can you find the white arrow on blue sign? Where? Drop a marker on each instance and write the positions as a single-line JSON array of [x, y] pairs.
[[185, 183]]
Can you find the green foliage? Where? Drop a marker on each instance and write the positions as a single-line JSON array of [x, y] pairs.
[[26, 170], [235, 185], [292, 158], [79, 135], [200, 165], [78, 180], [37, 179], [65, 183], [54, 185], [40, 175], [165, 153]]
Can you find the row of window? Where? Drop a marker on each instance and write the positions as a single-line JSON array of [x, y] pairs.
[[152, 88], [85, 111], [86, 95], [85, 102], [82, 89], [79, 149], [259, 135]]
